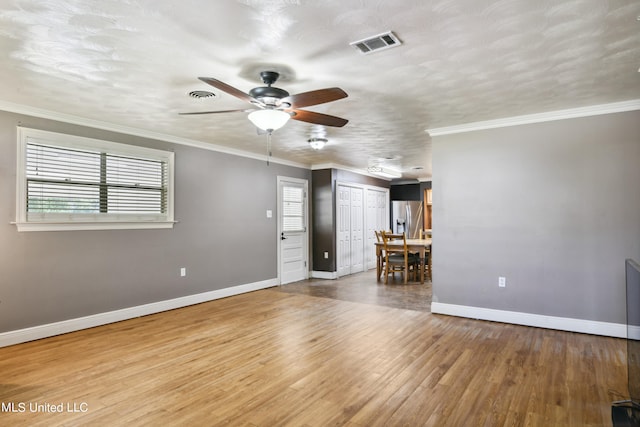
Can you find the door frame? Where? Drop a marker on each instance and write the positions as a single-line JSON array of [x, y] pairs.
[[279, 180], [365, 223], [380, 222]]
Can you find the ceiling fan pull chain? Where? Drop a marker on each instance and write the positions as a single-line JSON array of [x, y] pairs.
[[268, 147]]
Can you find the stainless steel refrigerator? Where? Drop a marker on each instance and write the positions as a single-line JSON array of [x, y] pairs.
[[406, 217]]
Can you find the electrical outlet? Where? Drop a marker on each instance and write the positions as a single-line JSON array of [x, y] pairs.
[[183, 271], [502, 282]]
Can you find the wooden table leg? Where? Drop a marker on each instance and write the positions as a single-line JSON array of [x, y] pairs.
[[422, 265], [378, 262], [430, 265]]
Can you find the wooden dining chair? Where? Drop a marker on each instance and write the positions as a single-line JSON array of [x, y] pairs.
[[426, 234], [379, 254], [397, 259], [427, 263]]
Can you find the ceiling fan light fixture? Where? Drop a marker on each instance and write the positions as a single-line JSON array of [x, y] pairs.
[[269, 120], [317, 143]]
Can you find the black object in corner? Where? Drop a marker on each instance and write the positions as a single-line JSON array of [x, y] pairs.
[[625, 414]]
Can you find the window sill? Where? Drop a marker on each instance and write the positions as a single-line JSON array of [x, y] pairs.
[[71, 226]]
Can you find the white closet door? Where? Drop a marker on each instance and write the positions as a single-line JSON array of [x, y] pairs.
[[360, 211], [357, 230], [343, 207], [377, 215], [372, 226], [382, 216]]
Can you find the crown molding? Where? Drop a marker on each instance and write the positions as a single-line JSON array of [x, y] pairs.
[[97, 124], [319, 166], [594, 110]]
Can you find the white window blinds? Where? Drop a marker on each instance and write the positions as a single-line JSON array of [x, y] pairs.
[[65, 179], [292, 209], [73, 181]]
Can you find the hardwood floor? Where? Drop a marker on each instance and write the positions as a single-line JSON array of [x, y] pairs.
[[363, 288], [274, 357]]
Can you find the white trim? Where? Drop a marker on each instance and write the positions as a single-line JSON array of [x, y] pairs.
[[320, 166], [618, 330], [97, 124], [71, 325], [329, 275], [594, 110], [104, 221], [98, 225]]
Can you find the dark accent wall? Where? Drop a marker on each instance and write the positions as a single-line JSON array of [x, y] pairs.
[[408, 191], [323, 235], [323, 185], [405, 192], [425, 185], [222, 237]]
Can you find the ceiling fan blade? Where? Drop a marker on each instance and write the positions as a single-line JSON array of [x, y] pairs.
[[317, 118], [314, 97], [219, 111], [230, 90]]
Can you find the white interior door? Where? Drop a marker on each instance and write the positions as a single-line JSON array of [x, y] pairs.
[[350, 229], [293, 234], [377, 219], [343, 229], [357, 230]]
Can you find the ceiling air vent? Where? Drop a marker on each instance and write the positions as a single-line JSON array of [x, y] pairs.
[[201, 94], [376, 43]]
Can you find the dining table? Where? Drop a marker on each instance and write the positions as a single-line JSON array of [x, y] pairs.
[[419, 246]]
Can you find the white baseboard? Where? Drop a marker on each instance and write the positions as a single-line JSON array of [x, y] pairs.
[[330, 275], [617, 330], [71, 325]]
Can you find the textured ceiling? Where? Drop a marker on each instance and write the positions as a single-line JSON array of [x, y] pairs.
[[132, 64]]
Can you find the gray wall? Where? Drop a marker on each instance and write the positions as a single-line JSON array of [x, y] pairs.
[[223, 238], [554, 207]]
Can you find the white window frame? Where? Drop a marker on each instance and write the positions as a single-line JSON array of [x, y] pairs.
[[102, 221]]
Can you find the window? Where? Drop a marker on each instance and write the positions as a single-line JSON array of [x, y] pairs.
[[72, 183], [292, 209]]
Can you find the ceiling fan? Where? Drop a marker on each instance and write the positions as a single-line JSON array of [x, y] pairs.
[[274, 106]]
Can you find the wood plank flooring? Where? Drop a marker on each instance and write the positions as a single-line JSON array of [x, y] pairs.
[[364, 288], [271, 358]]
